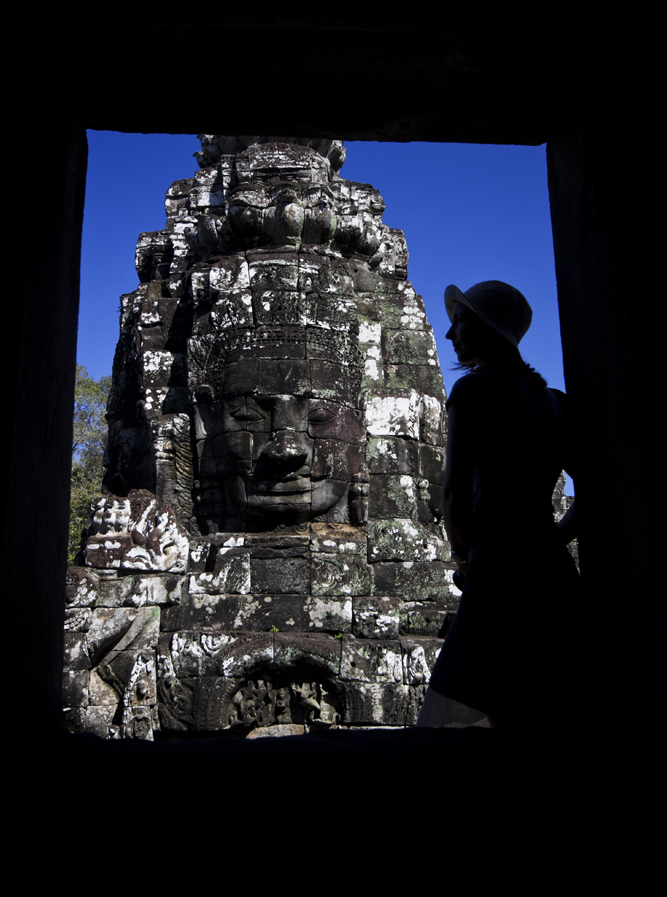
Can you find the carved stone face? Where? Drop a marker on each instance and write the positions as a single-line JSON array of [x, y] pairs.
[[275, 450]]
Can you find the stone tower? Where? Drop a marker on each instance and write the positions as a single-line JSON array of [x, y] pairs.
[[272, 553]]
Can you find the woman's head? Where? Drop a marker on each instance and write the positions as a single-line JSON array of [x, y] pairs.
[[488, 322]]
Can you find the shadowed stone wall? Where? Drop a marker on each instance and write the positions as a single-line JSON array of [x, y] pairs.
[[272, 552]]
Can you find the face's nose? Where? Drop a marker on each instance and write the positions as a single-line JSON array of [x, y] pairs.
[[286, 450], [288, 447], [450, 333]]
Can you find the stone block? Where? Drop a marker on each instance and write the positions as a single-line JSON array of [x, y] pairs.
[[272, 308], [75, 688], [229, 273], [321, 274], [101, 692], [200, 549], [432, 463], [393, 413], [232, 309], [136, 533], [77, 619], [416, 581], [392, 455], [377, 704], [279, 548], [230, 575], [403, 310], [332, 311], [204, 611], [371, 661], [410, 348], [331, 380], [392, 496], [77, 656], [217, 654], [141, 591], [328, 419], [286, 613], [120, 629], [335, 459], [425, 379], [330, 613], [405, 540], [159, 591], [310, 651], [280, 576], [277, 731], [376, 618], [369, 305], [82, 587], [433, 420], [161, 367], [98, 720], [268, 270], [425, 619], [337, 538], [296, 377], [339, 574]]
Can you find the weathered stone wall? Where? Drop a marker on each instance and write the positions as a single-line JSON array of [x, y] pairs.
[[273, 551]]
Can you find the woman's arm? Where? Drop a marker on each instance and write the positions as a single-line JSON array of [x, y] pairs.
[[457, 485]]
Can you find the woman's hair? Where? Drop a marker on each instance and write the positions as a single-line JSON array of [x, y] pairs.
[[500, 355]]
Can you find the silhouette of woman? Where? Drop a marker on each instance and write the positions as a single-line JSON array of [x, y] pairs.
[[506, 654]]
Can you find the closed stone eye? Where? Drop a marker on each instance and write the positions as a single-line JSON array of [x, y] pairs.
[[320, 415]]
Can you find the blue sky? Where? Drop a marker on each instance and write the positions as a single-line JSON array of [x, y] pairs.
[[469, 212]]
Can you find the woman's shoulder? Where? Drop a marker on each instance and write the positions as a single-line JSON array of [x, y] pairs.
[[474, 387]]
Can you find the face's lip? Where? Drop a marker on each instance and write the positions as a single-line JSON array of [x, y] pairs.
[[283, 487]]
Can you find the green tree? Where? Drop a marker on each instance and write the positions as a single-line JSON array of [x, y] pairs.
[[89, 441]]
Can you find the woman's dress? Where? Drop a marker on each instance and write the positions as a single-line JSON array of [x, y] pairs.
[[509, 652]]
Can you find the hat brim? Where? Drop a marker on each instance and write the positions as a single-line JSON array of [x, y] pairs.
[[453, 294]]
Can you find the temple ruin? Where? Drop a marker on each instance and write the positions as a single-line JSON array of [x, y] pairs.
[[272, 553]]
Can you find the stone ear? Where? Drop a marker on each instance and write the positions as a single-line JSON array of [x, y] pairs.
[[204, 394]]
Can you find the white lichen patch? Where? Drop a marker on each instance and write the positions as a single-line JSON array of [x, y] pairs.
[[408, 485], [235, 278], [401, 539], [372, 369], [393, 415], [157, 361], [331, 614], [370, 333], [432, 420], [413, 318], [154, 397]]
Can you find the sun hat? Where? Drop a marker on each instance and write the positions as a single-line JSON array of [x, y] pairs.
[[498, 304]]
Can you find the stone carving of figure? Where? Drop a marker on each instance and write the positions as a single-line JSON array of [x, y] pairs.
[[280, 440], [273, 552]]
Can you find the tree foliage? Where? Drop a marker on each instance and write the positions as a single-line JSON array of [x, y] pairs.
[[89, 442]]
